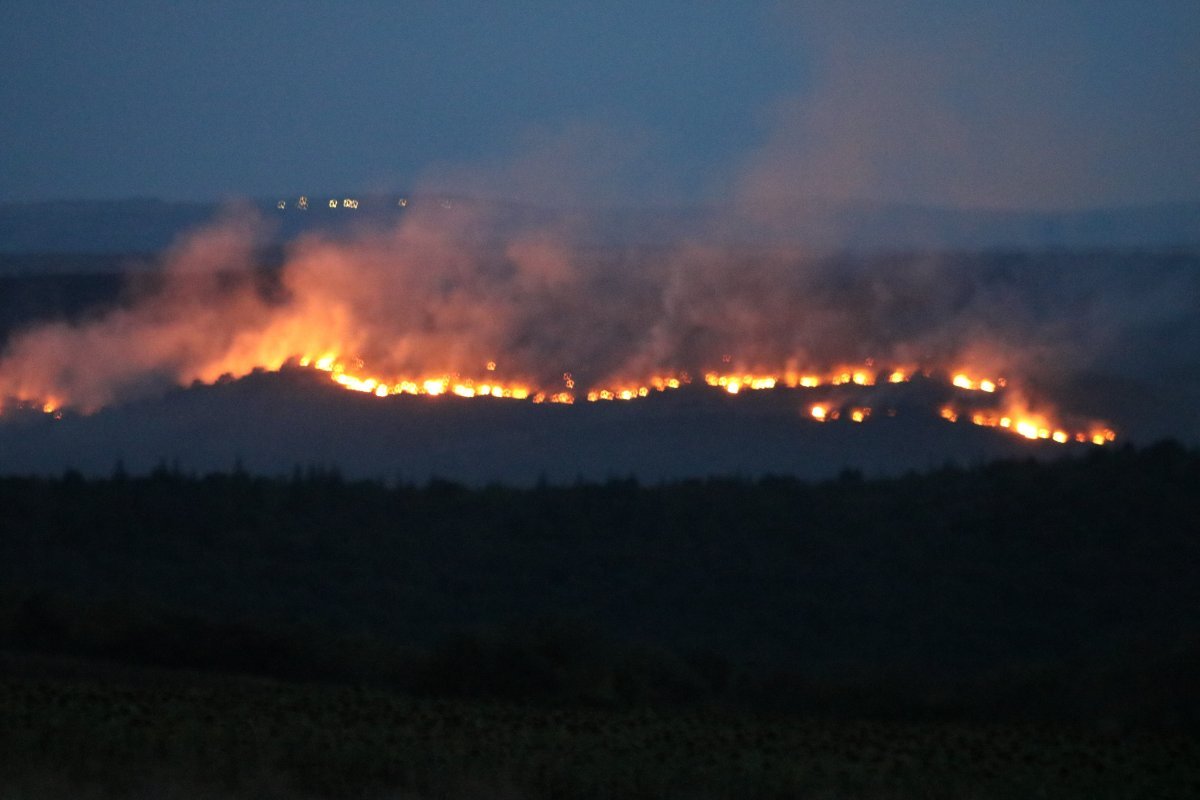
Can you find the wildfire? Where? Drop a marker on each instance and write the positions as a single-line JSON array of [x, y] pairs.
[[989, 385], [735, 383], [1032, 426], [351, 374], [433, 386]]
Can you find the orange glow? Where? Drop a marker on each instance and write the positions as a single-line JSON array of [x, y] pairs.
[[734, 383], [1007, 413], [964, 381], [1028, 426], [1036, 427], [1027, 429]]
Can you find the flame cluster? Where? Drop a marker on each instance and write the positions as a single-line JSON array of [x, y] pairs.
[[1031, 426], [1000, 413], [1014, 419]]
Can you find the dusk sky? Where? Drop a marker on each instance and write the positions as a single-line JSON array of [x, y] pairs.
[[971, 104]]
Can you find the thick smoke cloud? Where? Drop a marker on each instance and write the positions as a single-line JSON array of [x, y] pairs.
[[439, 294]]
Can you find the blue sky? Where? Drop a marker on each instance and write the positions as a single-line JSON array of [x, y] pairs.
[[1036, 105]]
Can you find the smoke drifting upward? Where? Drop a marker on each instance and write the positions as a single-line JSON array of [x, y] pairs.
[[436, 305], [958, 105]]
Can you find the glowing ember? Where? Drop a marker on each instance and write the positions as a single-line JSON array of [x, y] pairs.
[[963, 381], [1027, 429]]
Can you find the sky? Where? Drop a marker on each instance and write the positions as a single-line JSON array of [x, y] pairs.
[[961, 104]]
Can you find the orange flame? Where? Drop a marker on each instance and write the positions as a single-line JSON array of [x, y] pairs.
[[1013, 418]]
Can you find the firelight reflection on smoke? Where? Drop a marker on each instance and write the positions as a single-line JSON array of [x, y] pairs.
[[430, 308]]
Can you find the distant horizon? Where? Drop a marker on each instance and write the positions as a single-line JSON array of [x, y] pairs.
[[152, 224], [232, 200]]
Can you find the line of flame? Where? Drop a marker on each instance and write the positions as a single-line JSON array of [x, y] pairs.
[[1021, 423], [1017, 421]]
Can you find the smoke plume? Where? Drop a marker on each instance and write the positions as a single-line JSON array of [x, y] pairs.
[[437, 295]]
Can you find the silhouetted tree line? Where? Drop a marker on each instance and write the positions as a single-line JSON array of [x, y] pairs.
[[1062, 589]]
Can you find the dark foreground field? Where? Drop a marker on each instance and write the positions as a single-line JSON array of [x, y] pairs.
[[1017, 629], [148, 734]]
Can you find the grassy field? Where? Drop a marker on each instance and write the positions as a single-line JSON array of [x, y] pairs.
[[90, 734]]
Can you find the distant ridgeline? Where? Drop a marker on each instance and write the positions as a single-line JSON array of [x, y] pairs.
[[140, 225], [149, 225]]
